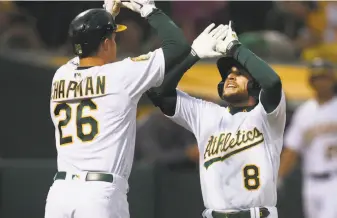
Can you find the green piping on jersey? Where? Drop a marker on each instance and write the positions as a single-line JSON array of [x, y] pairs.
[[211, 161]]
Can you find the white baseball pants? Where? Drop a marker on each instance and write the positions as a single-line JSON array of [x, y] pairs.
[[320, 197], [77, 198]]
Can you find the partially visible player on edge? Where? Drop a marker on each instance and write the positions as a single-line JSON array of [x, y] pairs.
[[239, 145], [93, 107], [312, 135]]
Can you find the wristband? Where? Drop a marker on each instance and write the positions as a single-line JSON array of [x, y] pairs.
[[146, 10]]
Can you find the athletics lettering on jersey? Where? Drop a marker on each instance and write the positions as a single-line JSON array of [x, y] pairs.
[[88, 87], [224, 145]]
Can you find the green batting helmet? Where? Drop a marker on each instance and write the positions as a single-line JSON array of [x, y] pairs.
[[88, 29]]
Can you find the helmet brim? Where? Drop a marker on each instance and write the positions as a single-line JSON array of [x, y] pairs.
[[120, 28], [224, 64]]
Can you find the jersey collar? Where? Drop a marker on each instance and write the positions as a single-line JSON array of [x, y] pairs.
[[233, 110]]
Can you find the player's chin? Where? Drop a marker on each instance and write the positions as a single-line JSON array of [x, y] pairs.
[[233, 97], [230, 93]]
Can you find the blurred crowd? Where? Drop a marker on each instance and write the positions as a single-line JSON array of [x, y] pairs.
[[284, 31]]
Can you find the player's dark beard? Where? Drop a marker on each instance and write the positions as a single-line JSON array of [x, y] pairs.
[[237, 98]]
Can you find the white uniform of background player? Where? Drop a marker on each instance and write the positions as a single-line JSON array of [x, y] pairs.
[[313, 135]]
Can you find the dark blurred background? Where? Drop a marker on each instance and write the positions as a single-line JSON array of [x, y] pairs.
[[165, 180]]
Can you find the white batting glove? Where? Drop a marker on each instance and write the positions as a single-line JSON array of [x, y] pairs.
[[204, 44], [143, 7], [226, 45], [112, 6]]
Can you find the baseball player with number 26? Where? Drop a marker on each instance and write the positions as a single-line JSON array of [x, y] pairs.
[[239, 145], [93, 107]]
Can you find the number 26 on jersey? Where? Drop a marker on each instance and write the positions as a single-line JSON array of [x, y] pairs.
[[80, 121]]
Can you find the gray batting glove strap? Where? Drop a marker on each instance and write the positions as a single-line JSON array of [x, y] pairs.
[[232, 46]]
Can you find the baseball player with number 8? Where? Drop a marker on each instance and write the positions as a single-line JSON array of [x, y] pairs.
[[239, 145]]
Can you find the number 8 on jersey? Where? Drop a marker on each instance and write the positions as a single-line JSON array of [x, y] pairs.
[[251, 175]]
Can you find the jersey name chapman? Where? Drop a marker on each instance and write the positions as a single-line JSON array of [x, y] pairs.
[[89, 87], [224, 145]]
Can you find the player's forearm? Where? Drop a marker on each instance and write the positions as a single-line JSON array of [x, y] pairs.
[[288, 162], [259, 69], [174, 75], [174, 43], [269, 81], [165, 96]]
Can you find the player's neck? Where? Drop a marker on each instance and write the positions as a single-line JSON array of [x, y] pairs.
[[242, 106], [91, 61], [233, 110], [248, 103]]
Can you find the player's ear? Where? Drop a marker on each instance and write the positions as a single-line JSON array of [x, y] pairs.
[[106, 44]]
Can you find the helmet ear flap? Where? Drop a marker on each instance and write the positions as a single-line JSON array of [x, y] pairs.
[[253, 88], [220, 88]]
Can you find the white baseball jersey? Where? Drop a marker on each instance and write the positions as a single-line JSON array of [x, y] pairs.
[[94, 112], [239, 154], [313, 134]]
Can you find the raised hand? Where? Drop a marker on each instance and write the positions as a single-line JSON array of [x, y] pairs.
[[143, 7], [204, 44], [113, 6], [226, 45]]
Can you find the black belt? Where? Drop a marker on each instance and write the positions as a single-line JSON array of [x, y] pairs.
[[264, 212], [102, 177], [323, 176]]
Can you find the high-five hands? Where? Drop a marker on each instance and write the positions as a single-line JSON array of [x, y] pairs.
[[205, 44], [113, 6], [226, 45], [143, 7]]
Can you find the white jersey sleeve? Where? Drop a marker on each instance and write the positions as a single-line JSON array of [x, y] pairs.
[[294, 135], [144, 72], [276, 119], [191, 113]]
